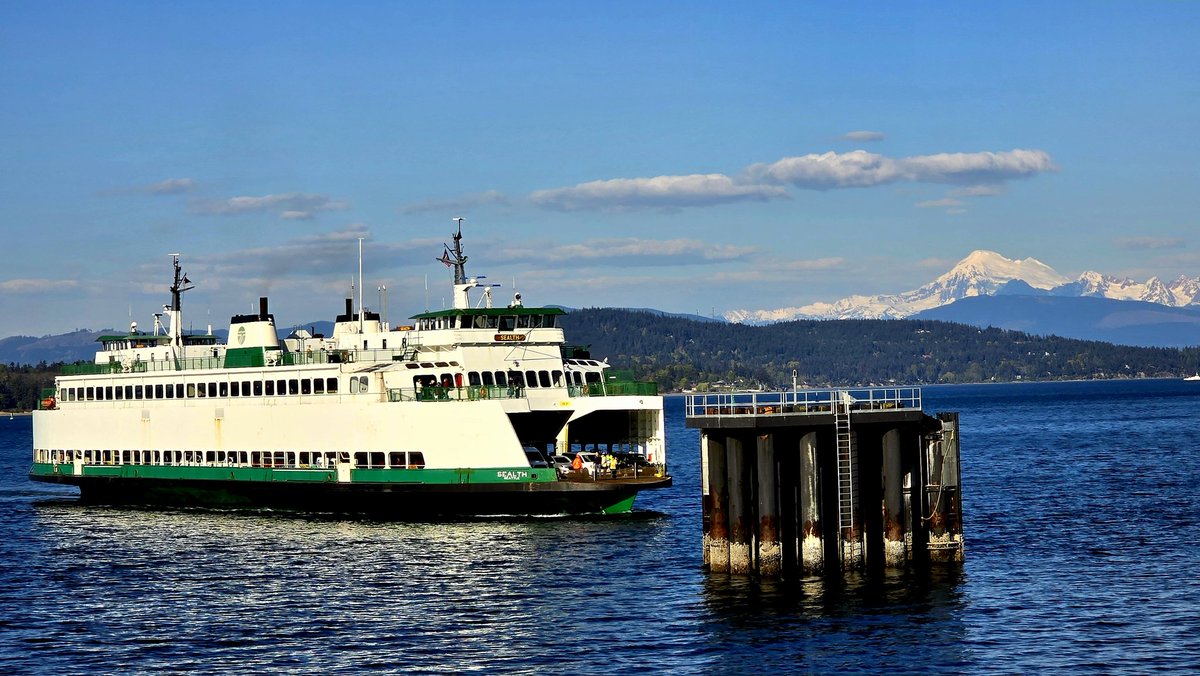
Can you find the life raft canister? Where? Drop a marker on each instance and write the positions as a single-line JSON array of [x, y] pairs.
[[47, 403]]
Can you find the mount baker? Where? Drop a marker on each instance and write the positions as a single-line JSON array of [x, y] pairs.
[[985, 273]]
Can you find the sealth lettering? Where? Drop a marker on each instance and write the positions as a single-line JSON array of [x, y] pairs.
[[509, 475], [509, 337]]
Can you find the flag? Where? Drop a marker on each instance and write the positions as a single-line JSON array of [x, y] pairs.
[[446, 259]]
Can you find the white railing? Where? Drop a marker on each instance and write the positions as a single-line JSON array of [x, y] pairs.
[[803, 402]]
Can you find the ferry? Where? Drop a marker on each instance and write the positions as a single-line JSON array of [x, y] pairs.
[[472, 410]]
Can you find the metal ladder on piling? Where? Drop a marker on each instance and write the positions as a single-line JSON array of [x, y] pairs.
[[847, 461]]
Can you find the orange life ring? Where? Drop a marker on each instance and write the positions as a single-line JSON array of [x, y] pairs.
[[483, 392]]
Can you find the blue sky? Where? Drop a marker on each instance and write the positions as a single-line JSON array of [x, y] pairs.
[[687, 157]]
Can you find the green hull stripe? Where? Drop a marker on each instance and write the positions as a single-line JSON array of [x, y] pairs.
[[621, 507], [491, 475]]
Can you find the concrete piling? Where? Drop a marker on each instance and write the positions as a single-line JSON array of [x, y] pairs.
[[817, 481]]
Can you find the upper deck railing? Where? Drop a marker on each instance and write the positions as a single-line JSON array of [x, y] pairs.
[[803, 402]]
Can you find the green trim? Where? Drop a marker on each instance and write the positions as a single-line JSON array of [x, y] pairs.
[[490, 475], [622, 507], [490, 312], [245, 357]]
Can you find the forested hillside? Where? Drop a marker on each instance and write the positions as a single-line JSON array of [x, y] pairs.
[[684, 354], [681, 354], [21, 386]]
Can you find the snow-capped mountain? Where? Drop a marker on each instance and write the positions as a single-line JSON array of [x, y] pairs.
[[983, 273]]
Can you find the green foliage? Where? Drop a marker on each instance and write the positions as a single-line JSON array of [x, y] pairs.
[[681, 353], [21, 386]]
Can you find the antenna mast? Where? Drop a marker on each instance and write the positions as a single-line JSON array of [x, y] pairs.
[[360, 287]]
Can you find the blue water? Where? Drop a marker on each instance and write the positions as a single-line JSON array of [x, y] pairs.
[[1082, 509]]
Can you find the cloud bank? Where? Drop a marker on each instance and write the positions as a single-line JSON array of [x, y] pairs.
[[662, 192], [978, 173], [291, 206]]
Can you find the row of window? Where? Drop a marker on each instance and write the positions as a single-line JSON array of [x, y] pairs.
[[528, 378], [294, 459], [499, 323], [245, 388]]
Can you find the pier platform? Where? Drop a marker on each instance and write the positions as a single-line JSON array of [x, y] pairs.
[[807, 482]]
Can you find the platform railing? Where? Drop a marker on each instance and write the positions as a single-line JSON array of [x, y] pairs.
[[803, 402]]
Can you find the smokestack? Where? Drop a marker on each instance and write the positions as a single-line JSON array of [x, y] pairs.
[[262, 308], [349, 309]]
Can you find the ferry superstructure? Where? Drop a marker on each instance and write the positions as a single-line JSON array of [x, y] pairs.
[[451, 414]]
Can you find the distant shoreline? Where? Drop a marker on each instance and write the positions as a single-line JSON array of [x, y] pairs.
[[16, 413]]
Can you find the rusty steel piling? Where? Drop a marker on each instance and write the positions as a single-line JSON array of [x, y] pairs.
[[812, 482]]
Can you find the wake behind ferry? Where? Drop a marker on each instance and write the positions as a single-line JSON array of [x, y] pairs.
[[473, 410]]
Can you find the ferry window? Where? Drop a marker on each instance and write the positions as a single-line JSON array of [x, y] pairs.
[[426, 365], [108, 392], [416, 460], [235, 389], [293, 386], [516, 378], [255, 458], [258, 388], [412, 366], [137, 391], [281, 387], [201, 391], [447, 380], [592, 377], [245, 388], [362, 384], [318, 385], [501, 379], [158, 391], [523, 321], [149, 391], [212, 389], [377, 460], [179, 391], [473, 379], [441, 364], [384, 344], [531, 378], [578, 377], [360, 459], [558, 378], [270, 388], [354, 385], [331, 385], [91, 393], [488, 380], [396, 459], [508, 323], [223, 388], [305, 386], [169, 392], [544, 378]]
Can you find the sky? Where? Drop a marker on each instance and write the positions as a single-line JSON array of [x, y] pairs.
[[688, 157]]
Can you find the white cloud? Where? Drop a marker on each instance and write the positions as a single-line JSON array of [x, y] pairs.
[[859, 168], [1147, 243], [628, 252], [944, 202], [976, 191], [36, 286], [459, 204], [863, 136], [663, 192], [291, 205], [171, 186]]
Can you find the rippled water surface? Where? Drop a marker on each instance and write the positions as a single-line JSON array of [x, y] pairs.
[[1082, 508]]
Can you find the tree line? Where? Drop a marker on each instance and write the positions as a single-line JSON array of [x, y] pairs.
[[680, 353]]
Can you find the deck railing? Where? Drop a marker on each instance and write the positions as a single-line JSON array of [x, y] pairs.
[[803, 402]]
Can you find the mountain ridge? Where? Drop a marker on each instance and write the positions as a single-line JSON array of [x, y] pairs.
[[984, 273]]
